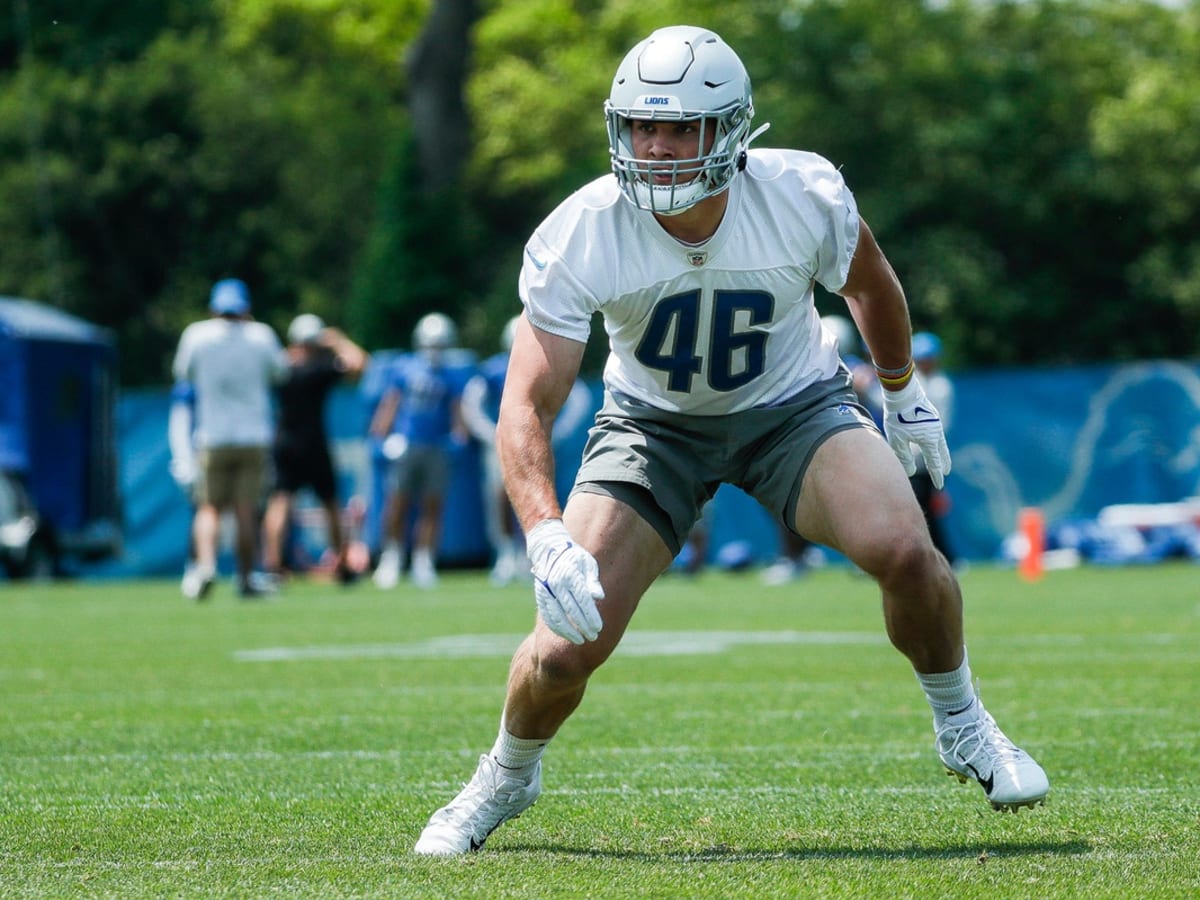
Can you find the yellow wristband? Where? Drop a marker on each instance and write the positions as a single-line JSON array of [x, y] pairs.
[[895, 378]]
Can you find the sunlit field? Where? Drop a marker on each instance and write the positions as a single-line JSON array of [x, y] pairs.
[[745, 742]]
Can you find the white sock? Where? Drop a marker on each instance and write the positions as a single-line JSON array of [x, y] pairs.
[[949, 692], [517, 754]]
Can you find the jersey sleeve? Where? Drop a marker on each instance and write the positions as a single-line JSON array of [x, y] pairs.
[[554, 299], [833, 202], [829, 215], [568, 265]]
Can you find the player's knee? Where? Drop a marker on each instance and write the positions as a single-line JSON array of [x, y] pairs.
[[562, 665], [905, 560]]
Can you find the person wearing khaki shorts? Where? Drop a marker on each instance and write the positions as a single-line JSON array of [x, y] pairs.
[[232, 362]]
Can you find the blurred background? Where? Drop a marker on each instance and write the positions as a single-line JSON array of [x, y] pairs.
[[1032, 169]]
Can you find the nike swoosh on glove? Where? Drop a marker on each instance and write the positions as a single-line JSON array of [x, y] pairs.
[[909, 418], [566, 582]]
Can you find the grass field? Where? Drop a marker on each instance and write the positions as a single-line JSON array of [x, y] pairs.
[[744, 742]]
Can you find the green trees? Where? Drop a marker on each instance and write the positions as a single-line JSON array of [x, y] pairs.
[[1032, 168], [135, 178]]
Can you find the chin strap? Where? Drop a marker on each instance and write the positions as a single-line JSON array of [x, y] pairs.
[[756, 132], [741, 160]]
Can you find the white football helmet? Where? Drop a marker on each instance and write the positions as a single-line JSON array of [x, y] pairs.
[[305, 329], [435, 331], [681, 73]]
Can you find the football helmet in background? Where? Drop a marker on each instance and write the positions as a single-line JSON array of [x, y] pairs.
[[680, 73], [305, 329], [435, 331], [510, 334]]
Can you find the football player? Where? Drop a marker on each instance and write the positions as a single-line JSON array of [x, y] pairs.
[[701, 255]]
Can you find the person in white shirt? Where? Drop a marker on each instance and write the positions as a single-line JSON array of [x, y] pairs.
[[231, 362], [702, 255]]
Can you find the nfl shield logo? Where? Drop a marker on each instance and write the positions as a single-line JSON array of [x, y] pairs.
[[697, 257]]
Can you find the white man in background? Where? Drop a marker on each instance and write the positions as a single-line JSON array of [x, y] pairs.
[[232, 362], [702, 255]]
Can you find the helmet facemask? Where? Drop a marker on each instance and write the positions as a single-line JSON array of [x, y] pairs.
[[691, 180], [680, 74]]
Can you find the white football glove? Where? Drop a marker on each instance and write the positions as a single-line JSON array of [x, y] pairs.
[[909, 418], [566, 582], [184, 472]]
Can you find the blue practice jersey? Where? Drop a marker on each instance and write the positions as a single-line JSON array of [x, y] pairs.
[[427, 391]]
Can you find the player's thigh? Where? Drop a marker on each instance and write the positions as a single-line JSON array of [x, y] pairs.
[[433, 475], [319, 474], [219, 473], [250, 467], [857, 499]]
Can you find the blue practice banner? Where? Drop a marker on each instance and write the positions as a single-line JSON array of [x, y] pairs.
[[1069, 440]]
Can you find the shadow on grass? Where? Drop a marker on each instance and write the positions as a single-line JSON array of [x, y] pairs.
[[750, 854]]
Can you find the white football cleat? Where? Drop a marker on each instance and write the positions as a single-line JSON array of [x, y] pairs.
[[492, 797], [971, 746], [424, 573], [387, 573], [783, 571], [197, 582], [504, 571]]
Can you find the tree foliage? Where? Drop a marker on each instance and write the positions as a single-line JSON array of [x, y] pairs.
[[1031, 168], [134, 185]]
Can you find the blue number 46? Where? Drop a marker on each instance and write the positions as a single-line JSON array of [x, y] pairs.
[[735, 358]]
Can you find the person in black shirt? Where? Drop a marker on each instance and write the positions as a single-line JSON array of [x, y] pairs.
[[319, 357]]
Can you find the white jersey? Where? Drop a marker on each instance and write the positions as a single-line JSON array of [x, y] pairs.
[[232, 366], [711, 329]]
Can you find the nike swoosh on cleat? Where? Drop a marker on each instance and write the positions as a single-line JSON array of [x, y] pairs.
[[986, 783], [537, 263]]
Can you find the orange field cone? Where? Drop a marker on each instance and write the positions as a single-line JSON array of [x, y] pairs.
[[1032, 527]]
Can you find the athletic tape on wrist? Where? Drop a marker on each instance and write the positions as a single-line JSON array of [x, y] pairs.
[[895, 378]]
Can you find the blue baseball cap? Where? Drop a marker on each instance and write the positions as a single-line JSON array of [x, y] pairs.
[[229, 297], [926, 346]]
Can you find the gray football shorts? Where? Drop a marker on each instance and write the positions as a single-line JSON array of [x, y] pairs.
[[420, 471], [667, 465]]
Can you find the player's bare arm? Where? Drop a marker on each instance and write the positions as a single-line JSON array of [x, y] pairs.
[[385, 414], [566, 577], [541, 372], [877, 303]]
